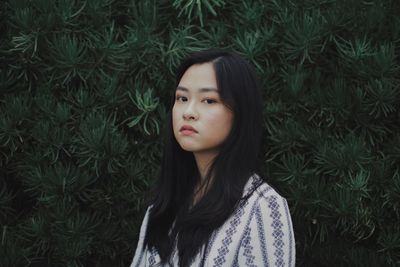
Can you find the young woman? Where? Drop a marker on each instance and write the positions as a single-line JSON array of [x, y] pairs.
[[209, 206]]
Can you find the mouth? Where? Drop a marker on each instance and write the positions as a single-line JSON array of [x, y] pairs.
[[188, 132], [187, 129]]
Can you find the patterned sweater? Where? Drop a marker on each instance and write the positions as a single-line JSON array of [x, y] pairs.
[[258, 233]]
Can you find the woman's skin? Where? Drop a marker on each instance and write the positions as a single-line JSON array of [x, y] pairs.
[[197, 104]]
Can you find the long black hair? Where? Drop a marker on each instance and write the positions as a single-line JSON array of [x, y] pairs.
[[171, 217]]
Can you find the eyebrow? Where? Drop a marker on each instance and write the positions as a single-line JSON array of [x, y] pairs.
[[202, 90]]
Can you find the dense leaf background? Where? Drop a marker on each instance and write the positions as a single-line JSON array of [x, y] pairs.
[[84, 89]]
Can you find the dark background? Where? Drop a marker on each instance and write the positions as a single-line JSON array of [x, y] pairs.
[[84, 88]]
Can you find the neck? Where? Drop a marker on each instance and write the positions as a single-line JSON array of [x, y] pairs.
[[203, 161]]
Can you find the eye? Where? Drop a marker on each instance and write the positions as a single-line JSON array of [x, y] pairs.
[[177, 98], [210, 101]]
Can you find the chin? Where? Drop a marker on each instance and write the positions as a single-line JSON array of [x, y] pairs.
[[188, 148]]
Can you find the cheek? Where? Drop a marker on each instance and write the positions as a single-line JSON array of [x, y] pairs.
[[228, 123], [221, 120], [174, 116]]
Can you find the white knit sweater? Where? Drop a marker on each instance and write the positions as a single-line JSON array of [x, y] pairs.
[[258, 233]]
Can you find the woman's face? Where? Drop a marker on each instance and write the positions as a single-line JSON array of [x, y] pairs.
[[197, 104]]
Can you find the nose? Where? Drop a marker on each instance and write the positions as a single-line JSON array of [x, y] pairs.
[[190, 112]]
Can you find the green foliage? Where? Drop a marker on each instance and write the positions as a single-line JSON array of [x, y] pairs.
[[146, 104], [84, 89], [187, 6], [304, 37]]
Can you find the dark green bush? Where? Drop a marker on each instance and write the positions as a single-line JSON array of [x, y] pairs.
[[84, 89]]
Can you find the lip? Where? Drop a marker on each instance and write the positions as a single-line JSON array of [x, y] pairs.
[[188, 128]]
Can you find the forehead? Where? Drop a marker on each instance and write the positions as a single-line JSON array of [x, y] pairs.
[[199, 90], [199, 78]]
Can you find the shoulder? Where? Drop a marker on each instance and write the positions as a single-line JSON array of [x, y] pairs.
[[266, 191], [263, 195], [268, 236], [145, 221], [259, 188]]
